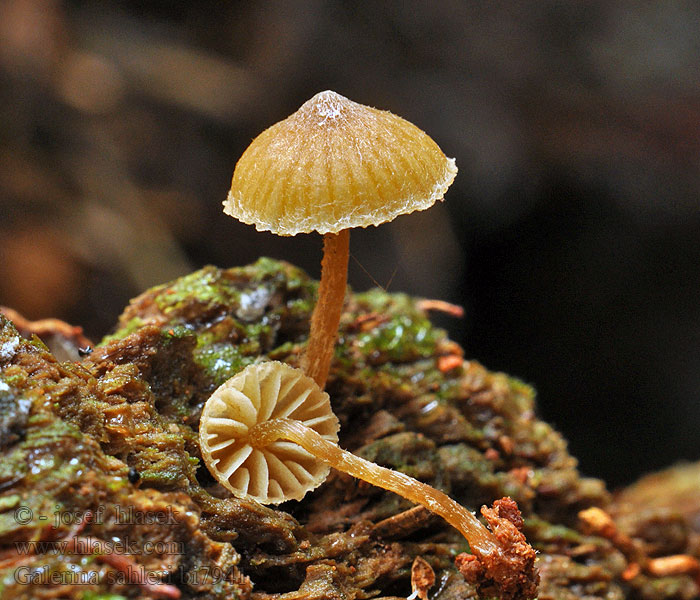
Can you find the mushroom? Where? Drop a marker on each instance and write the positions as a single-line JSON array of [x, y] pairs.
[[269, 432], [332, 165], [231, 421]]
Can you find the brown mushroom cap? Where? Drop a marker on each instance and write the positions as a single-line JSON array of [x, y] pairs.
[[336, 164], [282, 470]]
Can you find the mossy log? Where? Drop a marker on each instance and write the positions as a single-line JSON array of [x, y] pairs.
[[114, 437]]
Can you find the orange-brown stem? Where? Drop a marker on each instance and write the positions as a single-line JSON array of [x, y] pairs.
[[481, 541], [316, 361]]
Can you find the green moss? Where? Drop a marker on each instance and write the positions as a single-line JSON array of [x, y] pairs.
[[51, 458], [221, 361], [377, 300], [16, 380], [268, 268], [235, 314], [161, 467], [547, 533], [205, 285], [213, 287], [176, 332], [408, 452], [9, 502], [401, 333], [401, 339], [122, 332], [281, 352]]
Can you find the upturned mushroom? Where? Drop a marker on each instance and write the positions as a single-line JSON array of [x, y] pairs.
[[269, 432], [333, 165]]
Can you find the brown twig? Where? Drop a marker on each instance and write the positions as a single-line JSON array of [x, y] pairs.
[[402, 524], [44, 327], [676, 564], [596, 521], [454, 310]]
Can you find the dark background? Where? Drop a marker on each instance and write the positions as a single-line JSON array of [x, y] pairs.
[[570, 235]]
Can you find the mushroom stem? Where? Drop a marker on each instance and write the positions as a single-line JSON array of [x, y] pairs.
[[481, 541], [326, 316]]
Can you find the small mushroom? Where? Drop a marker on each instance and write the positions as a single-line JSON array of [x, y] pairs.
[[332, 165], [277, 471], [269, 432]]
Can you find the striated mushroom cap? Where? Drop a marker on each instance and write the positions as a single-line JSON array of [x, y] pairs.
[[281, 470], [336, 164]]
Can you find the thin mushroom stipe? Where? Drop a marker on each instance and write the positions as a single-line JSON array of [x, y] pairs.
[[269, 432], [316, 361], [333, 165], [481, 540]]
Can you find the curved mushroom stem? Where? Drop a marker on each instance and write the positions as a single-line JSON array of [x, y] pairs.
[[326, 316], [482, 542]]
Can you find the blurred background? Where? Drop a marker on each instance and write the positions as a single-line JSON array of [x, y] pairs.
[[571, 235]]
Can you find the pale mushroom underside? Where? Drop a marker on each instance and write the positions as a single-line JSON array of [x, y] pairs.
[[282, 470]]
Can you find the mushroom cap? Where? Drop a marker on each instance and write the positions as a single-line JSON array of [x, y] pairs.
[[336, 164], [282, 470]]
